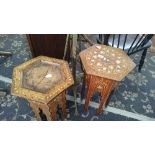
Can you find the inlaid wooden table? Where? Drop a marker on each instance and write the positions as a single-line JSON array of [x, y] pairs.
[[104, 67], [43, 82]]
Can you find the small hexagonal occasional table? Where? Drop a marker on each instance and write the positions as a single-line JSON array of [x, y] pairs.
[[104, 67], [43, 81]]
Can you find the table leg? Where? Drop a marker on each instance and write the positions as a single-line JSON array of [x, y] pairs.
[[46, 111], [53, 112], [36, 110], [106, 91], [90, 91], [83, 87], [63, 105]]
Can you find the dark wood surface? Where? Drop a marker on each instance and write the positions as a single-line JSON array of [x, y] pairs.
[[51, 45]]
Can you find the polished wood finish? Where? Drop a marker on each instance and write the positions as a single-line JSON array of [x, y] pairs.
[[51, 45]]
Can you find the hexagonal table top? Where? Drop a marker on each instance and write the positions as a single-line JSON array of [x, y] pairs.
[[105, 61], [41, 79]]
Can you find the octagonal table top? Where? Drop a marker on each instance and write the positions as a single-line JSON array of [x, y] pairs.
[[41, 79], [105, 61]]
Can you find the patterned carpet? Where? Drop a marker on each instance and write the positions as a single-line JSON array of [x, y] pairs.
[[134, 98]]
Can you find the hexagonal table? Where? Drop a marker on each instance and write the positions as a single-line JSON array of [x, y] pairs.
[[43, 81], [103, 66]]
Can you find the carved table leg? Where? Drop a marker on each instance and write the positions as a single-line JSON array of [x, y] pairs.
[[105, 93], [50, 109], [35, 109], [111, 93], [62, 104], [53, 111], [46, 111], [90, 92], [83, 87], [102, 85]]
